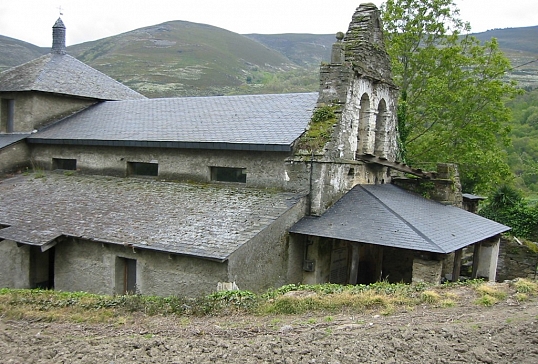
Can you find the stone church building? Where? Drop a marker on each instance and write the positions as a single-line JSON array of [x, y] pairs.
[[171, 196]]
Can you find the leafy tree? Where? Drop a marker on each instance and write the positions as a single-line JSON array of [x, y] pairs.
[[507, 206], [523, 153], [452, 91]]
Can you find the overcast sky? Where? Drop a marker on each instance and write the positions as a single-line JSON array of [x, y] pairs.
[[31, 20]]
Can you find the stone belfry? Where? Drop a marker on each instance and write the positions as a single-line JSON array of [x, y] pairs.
[[357, 85], [359, 80], [58, 37]]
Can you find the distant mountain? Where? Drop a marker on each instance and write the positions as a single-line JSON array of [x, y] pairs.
[[14, 52], [523, 39], [303, 49], [180, 58], [520, 45]]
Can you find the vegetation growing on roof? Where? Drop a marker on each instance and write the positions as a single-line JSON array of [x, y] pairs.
[[319, 130]]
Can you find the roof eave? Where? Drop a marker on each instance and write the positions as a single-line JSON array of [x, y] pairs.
[[166, 144]]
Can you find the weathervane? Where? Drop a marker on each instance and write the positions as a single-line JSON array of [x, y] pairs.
[[60, 10]]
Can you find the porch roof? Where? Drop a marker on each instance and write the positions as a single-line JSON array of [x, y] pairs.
[[390, 216], [208, 221]]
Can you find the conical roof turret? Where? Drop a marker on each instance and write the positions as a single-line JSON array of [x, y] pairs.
[[58, 37]]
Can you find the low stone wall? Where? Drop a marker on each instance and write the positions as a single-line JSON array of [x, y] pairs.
[[516, 261], [14, 158], [428, 271]]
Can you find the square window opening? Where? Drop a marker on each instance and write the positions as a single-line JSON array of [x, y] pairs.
[[66, 164], [142, 169], [227, 174]]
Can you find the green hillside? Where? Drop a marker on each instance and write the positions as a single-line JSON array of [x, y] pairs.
[[182, 58], [303, 49], [520, 45], [14, 52]]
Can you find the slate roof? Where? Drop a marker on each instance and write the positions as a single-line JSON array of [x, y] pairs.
[[247, 122], [63, 74], [208, 221], [390, 216], [8, 139]]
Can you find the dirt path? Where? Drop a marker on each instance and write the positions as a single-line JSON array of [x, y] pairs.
[[504, 333]]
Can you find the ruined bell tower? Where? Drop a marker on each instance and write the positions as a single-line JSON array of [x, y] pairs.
[[357, 87]]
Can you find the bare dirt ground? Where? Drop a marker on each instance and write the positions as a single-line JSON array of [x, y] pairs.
[[504, 333]]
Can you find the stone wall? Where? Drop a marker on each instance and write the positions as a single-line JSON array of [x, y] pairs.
[[516, 261], [14, 157], [445, 187], [427, 270], [264, 169], [264, 261], [318, 251], [14, 265], [34, 110], [92, 267]]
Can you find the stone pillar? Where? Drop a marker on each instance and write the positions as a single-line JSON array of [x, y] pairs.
[[337, 54], [366, 141], [457, 265], [486, 256], [354, 269], [380, 148], [427, 271], [371, 133]]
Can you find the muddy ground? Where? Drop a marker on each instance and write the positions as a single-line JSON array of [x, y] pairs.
[[504, 333]]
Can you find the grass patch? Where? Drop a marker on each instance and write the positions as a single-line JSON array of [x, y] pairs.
[[486, 300], [492, 291], [526, 286], [521, 297], [430, 297], [328, 299]]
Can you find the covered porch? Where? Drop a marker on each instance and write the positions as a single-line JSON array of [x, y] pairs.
[[382, 232]]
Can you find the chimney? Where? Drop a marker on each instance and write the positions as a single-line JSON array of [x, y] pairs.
[[58, 37]]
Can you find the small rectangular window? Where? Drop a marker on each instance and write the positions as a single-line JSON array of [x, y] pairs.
[[61, 163], [142, 169], [226, 174]]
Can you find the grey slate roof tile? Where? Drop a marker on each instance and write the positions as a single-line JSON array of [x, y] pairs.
[[8, 139], [390, 216], [248, 122], [63, 74], [209, 221]]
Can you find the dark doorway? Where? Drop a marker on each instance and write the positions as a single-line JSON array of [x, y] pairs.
[[370, 262], [126, 276], [42, 268]]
